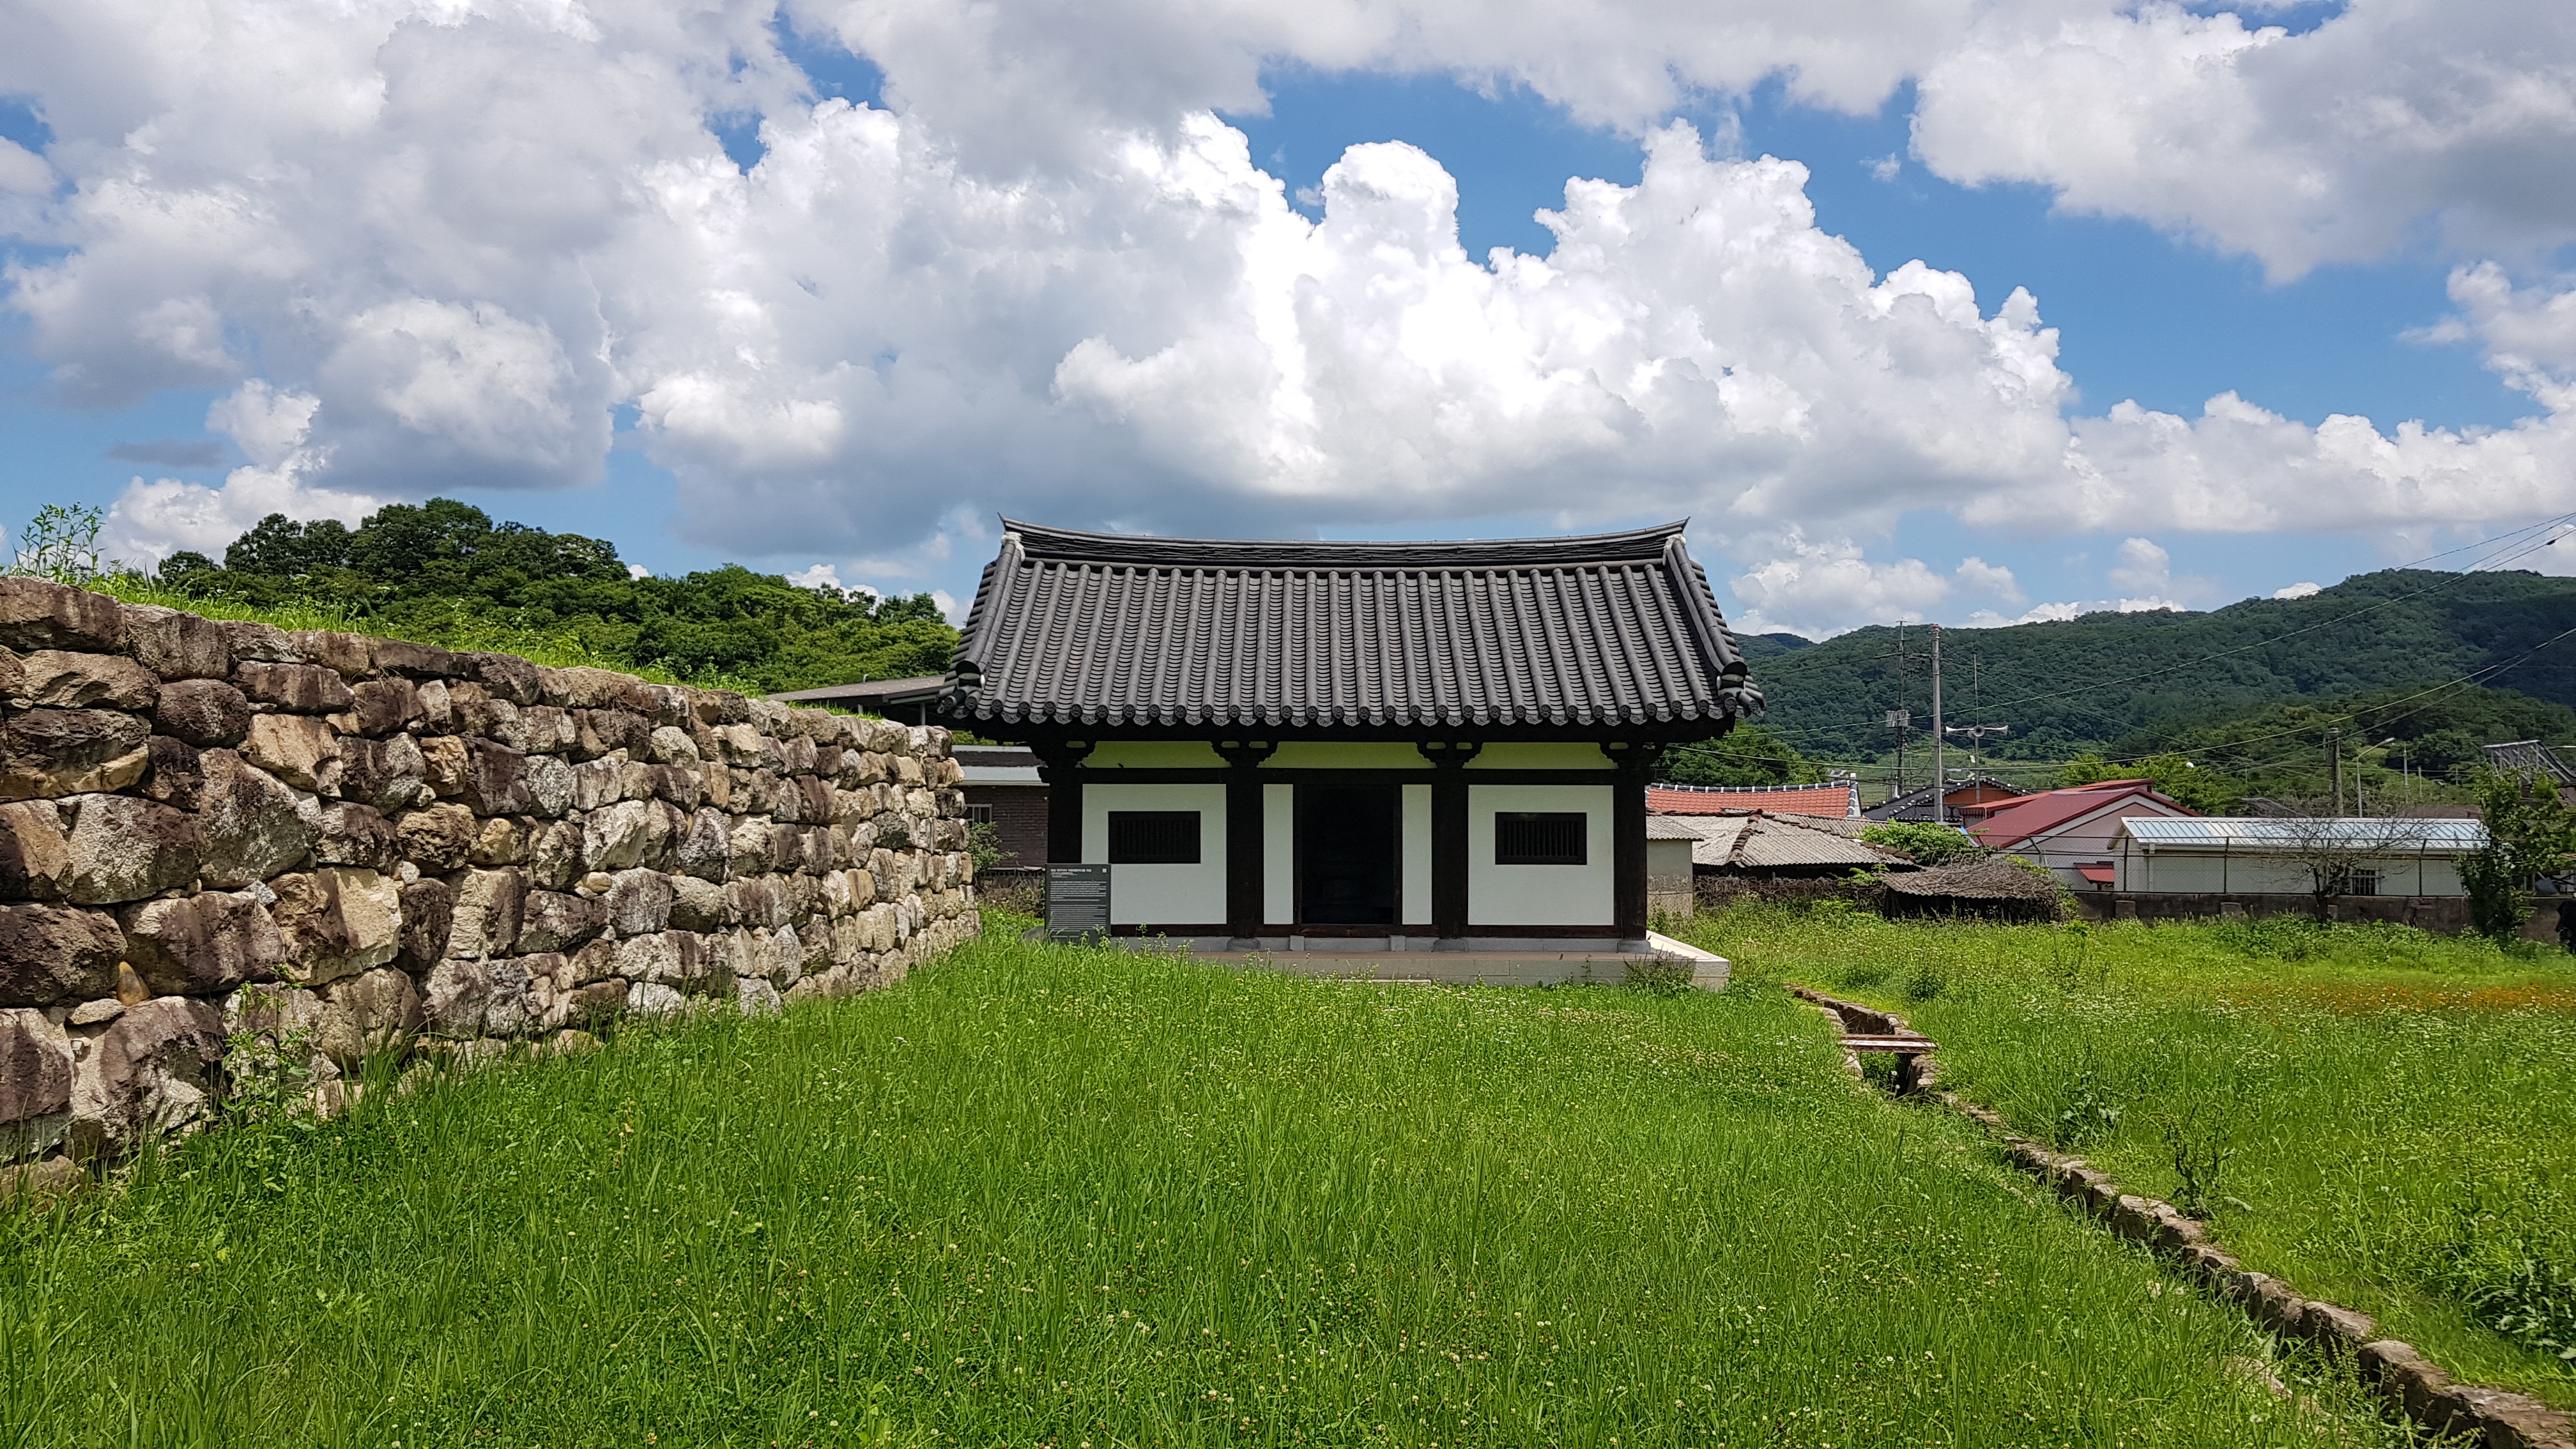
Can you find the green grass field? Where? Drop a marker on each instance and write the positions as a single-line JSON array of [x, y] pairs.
[[2401, 1107], [1048, 1196]]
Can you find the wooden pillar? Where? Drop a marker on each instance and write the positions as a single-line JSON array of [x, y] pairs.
[[1628, 846], [1449, 853], [1244, 838], [1060, 765]]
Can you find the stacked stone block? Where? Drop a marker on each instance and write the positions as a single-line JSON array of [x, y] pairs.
[[341, 847]]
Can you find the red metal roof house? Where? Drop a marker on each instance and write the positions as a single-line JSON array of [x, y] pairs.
[[2067, 830]]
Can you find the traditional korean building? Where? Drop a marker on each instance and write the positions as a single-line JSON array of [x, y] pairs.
[[1429, 745]]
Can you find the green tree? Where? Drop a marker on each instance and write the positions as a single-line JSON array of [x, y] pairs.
[[2204, 790], [1926, 842], [175, 569], [1745, 755], [2530, 833], [280, 547]]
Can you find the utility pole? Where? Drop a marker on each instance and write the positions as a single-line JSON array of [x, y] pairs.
[[2334, 747], [1901, 718], [1940, 773]]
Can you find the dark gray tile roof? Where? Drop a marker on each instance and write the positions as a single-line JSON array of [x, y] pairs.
[[1087, 628]]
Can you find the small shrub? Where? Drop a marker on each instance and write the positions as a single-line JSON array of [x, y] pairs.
[[61, 543], [2200, 1153], [2070, 955], [2091, 1113], [1660, 976], [2510, 1283], [984, 847], [1923, 982], [2534, 1302]]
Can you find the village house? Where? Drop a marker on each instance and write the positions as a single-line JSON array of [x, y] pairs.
[[2069, 831], [1918, 803], [1399, 746], [2269, 856]]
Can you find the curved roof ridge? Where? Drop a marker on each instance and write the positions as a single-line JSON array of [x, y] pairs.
[[1636, 545]]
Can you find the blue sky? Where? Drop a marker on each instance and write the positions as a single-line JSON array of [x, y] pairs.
[[647, 372]]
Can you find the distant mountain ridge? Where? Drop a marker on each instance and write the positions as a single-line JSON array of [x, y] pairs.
[[2080, 684]]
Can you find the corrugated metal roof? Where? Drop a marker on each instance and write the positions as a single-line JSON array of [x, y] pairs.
[[1085, 628], [1753, 842], [1001, 775], [2396, 835], [1775, 845]]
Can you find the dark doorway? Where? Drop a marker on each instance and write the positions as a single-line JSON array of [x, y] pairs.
[[1347, 866]]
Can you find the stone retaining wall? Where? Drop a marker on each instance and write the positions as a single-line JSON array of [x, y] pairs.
[[227, 840], [2465, 1413], [2447, 914]]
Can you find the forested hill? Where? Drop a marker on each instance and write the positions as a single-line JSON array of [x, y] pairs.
[[2085, 683], [443, 571]]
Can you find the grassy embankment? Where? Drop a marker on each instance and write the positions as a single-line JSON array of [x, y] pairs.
[[1042, 1195], [461, 628], [2397, 1105]]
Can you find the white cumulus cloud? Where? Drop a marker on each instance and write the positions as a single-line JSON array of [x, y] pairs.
[[451, 238], [2332, 145], [1820, 588]]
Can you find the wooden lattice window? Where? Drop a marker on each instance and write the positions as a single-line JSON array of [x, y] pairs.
[[1153, 837], [1539, 837]]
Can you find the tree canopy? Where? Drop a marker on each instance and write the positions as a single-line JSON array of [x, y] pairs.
[[1745, 755], [423, 563]]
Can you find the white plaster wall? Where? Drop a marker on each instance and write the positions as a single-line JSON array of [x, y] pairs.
[[1147, 895], [1540, 895], [1669, 884], [1668, 865], [1278, 854], [2208, 873], [1417, 855]]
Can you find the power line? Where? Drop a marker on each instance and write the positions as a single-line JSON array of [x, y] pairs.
[[2470, 678]]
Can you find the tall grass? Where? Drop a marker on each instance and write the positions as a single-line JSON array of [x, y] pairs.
[[2387, 1113], [1044, 1195]]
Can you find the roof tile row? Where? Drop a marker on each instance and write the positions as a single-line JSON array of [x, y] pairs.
[[1079, 628]]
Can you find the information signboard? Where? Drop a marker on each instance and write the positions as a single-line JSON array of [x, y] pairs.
[[1077, 902]]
